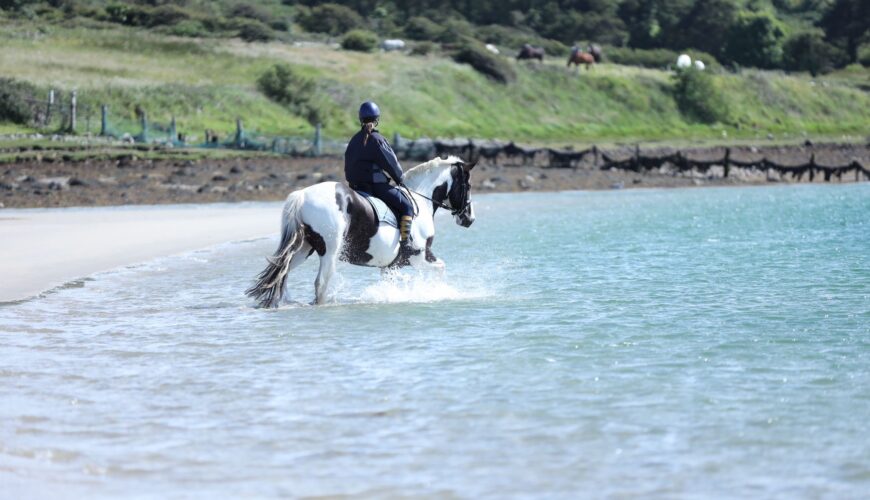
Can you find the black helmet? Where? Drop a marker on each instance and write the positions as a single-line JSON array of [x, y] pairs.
[[369, 111]]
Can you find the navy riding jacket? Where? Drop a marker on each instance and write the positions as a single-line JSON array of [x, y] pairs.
[[368, 163]]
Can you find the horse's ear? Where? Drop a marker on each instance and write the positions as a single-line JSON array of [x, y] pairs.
[[468, 166]]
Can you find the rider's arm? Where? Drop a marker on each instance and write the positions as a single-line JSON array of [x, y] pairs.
[[387, 160]]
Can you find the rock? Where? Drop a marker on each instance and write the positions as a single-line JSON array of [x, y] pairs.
[[487, 184], [301, 177], [530, 179], [75, 181], [107, 180], [497, 179], [9, 186], [235, 170], [184, 172], [617, 185], [219, 189], [316, 176], [54, 183], [219, 178], [24, 178]]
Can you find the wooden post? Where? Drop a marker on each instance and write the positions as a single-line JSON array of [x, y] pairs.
[[812, 167], [48, 107], [72, 112], [104, 120], [318, 141], [595, 157], [637, 157], [240, 133], [173, 134], [726, 164], [143, 121]]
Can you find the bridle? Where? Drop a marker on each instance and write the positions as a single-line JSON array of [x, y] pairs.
[[463, 206]]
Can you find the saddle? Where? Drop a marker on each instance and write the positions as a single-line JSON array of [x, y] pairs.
[[383, 214]]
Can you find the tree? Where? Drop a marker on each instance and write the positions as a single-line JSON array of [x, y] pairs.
[[706, 27], [809, 52], [847, 23], [755, 39]]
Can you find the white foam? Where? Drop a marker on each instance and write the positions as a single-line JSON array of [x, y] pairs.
[[414, 286]]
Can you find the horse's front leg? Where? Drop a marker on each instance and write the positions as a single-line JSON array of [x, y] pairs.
[[428, 259]]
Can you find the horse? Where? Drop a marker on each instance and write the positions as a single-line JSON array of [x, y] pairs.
[[338, 223], [578, 57], [529, 52]]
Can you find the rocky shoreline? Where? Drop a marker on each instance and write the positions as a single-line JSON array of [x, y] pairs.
[[59, 183]]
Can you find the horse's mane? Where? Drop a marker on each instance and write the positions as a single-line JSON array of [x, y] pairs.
[[429, 166]]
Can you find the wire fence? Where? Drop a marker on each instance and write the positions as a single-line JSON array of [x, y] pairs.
[[63, 112]]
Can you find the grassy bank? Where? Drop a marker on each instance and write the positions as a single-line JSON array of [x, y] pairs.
[[208, 83]]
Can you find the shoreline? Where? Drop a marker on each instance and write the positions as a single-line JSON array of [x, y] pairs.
[[54, 182], [46, 249]]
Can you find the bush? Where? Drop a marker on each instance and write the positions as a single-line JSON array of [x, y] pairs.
[[255, 31], [296, 92], [421, 28], [810, 52], [491, 65], [511, 39], [698, 97], [15, 99], [251, 11], [188, 28], [423, 48], [755, 39], [167, 15], [359, 40], [330, 18]]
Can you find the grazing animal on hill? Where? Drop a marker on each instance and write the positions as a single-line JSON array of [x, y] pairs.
[[579, 57], [529, 52], [393, 44]]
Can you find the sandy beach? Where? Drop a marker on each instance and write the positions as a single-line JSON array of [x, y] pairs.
[[44, 249]]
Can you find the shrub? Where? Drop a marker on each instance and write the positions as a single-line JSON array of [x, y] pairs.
[[280, 25], [166, 15], [485, 62], [755, 39], [330, 18], [698, 97], [423, 48], [189, 28], [810, 52], [15, 99], [359, 40], [511, 39], [296, 92], [251, 11], [653, 58], [255, 31], [421, 28]]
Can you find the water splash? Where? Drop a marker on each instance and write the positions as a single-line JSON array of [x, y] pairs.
[[415, 286]]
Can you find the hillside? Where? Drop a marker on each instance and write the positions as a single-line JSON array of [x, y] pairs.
[[206, 83]]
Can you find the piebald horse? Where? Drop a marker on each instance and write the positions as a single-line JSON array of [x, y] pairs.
[[335, 221]]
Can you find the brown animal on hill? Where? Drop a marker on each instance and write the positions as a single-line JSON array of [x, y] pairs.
[[579, 57], [529, 52]]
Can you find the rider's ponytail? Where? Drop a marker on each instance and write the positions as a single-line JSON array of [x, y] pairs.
[[368, 126]]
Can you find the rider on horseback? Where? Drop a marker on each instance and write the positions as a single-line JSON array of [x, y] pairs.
[[368, 160]]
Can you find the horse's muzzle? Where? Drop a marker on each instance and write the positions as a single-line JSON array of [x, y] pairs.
[[466, 217]]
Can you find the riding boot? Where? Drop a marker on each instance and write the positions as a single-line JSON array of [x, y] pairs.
[[405, 250]]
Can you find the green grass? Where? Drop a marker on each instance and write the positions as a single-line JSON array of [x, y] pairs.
[[208, 83]]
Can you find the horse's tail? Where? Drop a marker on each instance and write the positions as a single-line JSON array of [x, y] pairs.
[[270, 283]]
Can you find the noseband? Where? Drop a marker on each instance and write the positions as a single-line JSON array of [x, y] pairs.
[[453, 211]]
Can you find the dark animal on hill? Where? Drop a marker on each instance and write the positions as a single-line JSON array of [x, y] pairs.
[[529, 52]]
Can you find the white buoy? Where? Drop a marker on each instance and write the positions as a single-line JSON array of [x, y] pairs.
[[492, 48], [699, 64]]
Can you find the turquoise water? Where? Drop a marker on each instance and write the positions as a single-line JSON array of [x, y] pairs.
[[667, 343]]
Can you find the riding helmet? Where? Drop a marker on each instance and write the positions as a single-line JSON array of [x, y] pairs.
[[369, 111]]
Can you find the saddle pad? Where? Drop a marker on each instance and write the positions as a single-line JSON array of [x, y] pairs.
[[382, 211]]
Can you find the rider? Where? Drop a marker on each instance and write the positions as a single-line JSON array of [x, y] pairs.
[[368, 160]]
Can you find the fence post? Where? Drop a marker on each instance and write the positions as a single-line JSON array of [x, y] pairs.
[[726, 163], [173, 135], [143, 120], [48, 107], [104, 120], [318, 141], [72, 112], [240, 133], [637, 157], [595, 157]]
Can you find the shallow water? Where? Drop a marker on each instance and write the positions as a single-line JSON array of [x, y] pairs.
[[677, 343]]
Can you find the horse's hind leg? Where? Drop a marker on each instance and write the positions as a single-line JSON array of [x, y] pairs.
[[332, 247]]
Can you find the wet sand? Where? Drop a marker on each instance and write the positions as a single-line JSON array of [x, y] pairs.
[[44, 249]]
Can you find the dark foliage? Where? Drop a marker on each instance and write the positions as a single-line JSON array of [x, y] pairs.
[[255, 31], [810, 52], [298, 93], [698, 97], [331, 18], [15, 97], [485, 62], [359, 40]]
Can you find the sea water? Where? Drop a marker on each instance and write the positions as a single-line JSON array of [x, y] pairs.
[[686, 343]]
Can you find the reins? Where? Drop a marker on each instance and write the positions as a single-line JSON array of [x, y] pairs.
[[453, 211]]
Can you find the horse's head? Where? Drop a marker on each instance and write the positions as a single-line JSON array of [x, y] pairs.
[[459, 195]]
